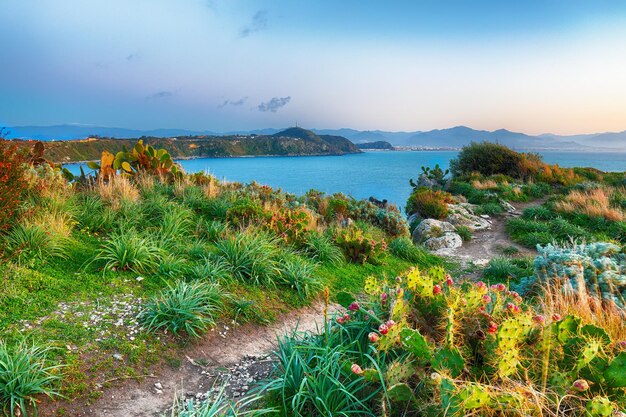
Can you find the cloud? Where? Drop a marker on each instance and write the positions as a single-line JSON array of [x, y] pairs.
[[160, 95], [235, 103], [258, 23], [132, 57], [274, 104]]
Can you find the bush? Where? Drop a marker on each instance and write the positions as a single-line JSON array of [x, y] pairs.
[[13, 186], [25, 375], [502, 269], [429, 204], [358, 246], [184, 307], [491, 209], [322, 249]]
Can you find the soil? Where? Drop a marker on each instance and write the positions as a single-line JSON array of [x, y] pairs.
[[237, 357]]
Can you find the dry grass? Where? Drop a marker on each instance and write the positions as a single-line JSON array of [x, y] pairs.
[[484, 184], [594, 203], [590, 309], [117, 190], [212, 189]]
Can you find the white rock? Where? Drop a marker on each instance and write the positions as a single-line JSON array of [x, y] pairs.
[[447, 241], [431, 228]]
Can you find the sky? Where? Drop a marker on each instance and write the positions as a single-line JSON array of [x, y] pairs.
[[549, 66]]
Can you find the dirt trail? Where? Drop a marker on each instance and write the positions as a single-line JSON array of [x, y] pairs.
[[239, 356], [487, 244]]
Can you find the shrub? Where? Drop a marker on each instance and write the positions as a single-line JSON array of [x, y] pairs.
[[216, 208], [13, 187], [245, 211], [128, 250], [323, 249], [299, 275], [491, 209], [184, 307], [358, 246], [290, 225], [429, 204], [24, 375], [93, 216], [594, 203], [538, 213], [250, 257], [502, 268]]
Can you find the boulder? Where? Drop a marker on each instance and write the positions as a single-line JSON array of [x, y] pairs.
[[447, 241], [431, 228], [462, 214]]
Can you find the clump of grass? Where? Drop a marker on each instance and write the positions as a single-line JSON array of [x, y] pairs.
[[465, 233], [117, 190], [491, 209], [299, 275], [323, 249], [221, 406], [92, 214], [404, 248], [128, 250], [211, 230], [485, 184], [210, 269], [500, 268], [249, 256], [594, 203], [184, 307], [25, 373], [28, 241]]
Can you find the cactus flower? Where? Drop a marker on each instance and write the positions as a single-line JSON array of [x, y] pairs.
[[435, 376], [492, 328], [354, 306], [383, 329], [341, 320], [399, 292], [449, 281], [539, 319], [556, 317], [390, 323], [436, 289], [356, 369], [383, 296], [500, 287], [373, 337], [512, 308], [398, 280], [580, 385], [346, 317], [481, 285], [486, 299]]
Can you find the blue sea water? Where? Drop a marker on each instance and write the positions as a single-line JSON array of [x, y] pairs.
[[384, 175]]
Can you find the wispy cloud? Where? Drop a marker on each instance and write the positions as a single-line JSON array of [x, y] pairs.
[[235, 103], [257, 24], [160, 95], [275, 104]]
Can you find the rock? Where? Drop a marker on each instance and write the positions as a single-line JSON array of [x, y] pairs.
[[118, 356], [158, 386], [413, 219], [462, 214], [508, 207], [431, 228], [447, 241]]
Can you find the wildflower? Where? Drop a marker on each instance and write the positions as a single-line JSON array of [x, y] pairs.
[[500, 287], [481, 285], [449, 280], [556, 317], [341, 320], [398, 280], [539, 319], [373, 337], [383, 296], [436, 289], [354, 306], [435, 376], [356, 369], [486, 299], [383, 329], [346, 317]]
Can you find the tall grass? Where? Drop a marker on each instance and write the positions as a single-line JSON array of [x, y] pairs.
[[404, 248], [128, 250], [184, 307], [116, 190], [250, 256], [220, 406], [594, 203], [28, 241], [323, 249], [25, 373], [299, 274]]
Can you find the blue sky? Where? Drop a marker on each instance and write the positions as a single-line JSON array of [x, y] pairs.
[[532, 66]]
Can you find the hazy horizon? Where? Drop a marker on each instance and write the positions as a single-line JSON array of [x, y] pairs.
[[534, 67]]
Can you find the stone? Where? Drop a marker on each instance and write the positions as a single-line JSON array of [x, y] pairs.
[[462, 214], [431, 228], [447, 241]]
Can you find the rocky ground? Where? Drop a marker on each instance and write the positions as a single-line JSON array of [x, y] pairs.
[[236, 357]]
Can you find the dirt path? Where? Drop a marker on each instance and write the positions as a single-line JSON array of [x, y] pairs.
[[237, 356], [487, 244]]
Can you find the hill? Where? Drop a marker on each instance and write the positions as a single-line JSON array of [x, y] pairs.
[[290, 142], [380, 145]]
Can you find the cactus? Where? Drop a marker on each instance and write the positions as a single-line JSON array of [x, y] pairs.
[[417, 345], [615, 373], [398, 372], [600, 407], [399, 393], [449, 361]]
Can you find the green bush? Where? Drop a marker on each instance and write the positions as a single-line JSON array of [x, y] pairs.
[[184, 307], [358, 245], [429, 204], [25, 375], [491, 209], [128, 250]]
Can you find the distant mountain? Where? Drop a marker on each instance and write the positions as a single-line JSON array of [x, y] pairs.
[[454, 137], [379, 145]]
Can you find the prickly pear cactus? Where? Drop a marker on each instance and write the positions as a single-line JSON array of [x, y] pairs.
[[598, 267]]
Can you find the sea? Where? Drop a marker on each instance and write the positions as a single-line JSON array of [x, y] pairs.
[[379, 174]]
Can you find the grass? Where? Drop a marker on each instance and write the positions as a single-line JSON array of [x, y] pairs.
[[189, 308], [27, 242], [25, 372], [299, 274], [323, 249], [504, 269], [127, 250], [404, 248], [598, 202]]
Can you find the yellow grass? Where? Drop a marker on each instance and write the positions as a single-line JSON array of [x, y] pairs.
[[594, 203], [484, 184], [117, 190]]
